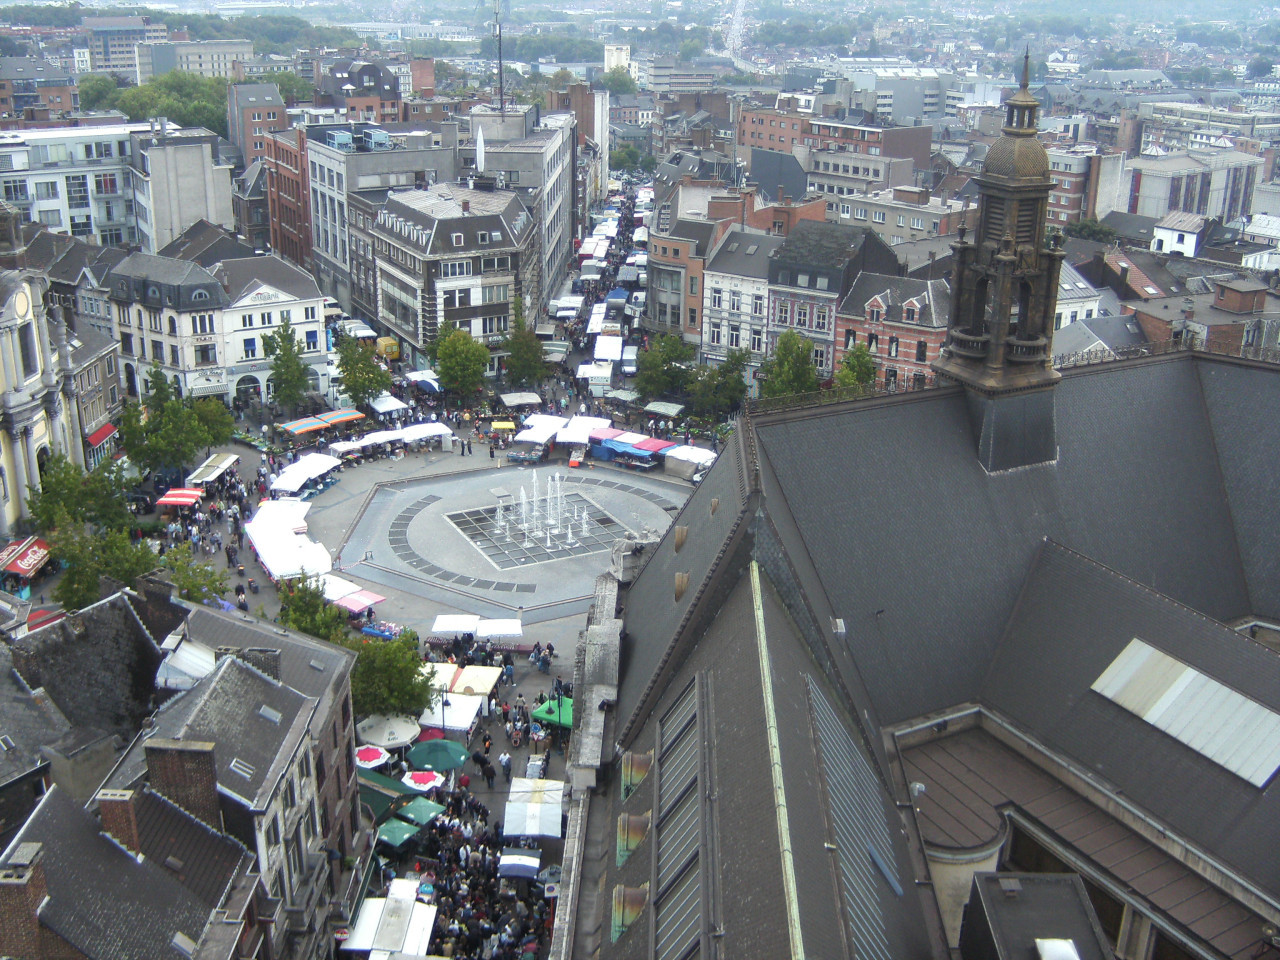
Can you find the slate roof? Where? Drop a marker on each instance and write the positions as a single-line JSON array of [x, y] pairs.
[[28, 719], [731, 256], [201, 859], [240, 276], [102, 901], [813, 244], [1100, 335], [30, 68], [88, 343], [205, 243], [79, 256], [138, 270], [1131, 226], [933, 296], [699, 231], [254, 721], [771, 169], [1072, 619]]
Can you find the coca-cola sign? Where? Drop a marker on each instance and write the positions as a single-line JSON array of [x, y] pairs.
[[32, 560]]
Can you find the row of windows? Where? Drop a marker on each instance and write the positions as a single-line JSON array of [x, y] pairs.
[[873, 345], [756, 335]]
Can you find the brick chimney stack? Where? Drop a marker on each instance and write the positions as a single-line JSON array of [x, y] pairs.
[[185, 772], [23, 889], [119, 818]]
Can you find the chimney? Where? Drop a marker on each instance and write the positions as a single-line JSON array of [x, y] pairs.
[[1188, 308], [23, 889], [466, 207], [119, 818], [185, 772], [266, 659]]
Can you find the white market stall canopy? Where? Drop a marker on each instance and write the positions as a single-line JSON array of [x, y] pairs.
[[387, 732], [387, 404], [534, 808], [521, 400], [631, 438], [421, 431], [664, 409], [394, 925], [343, 446], [286, 555], [454, 624], [539, 419], [495, 629], [641, 235], [380, 436], [335, 587], [441, 674], [595, 323], [578, 430], [212, 469], [286, 513], [608, 348], [476, 679], [601, 370], [453, 711], [699, 455], [540, 428], [306, 468]]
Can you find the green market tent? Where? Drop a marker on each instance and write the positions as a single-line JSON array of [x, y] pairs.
[[379, 803], [555, 713], [396, 833], [419, 810], [379, 791], [438, 755]]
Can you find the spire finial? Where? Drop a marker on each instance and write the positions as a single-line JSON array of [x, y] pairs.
[[1026, 68]]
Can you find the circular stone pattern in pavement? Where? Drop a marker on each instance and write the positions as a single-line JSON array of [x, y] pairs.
[[468, 534]]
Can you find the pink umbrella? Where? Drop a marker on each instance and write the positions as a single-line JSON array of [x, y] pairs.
[[370, 757], [423, 779], [430, 733]]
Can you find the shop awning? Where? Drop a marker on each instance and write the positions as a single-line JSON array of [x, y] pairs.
[[519, 862], [101, 435], [359, 601], [180, 497], [24, 557], [557, 712], [420, 810]]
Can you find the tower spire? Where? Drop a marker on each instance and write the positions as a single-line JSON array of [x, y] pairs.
[[1026, 68]]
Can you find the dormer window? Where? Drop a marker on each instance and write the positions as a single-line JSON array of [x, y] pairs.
[[457, 239], [200, 295]]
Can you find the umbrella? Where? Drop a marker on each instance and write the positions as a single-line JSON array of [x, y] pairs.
[[389, 732], [430, 733], [519, 862], [370, 757], [423, 779], [396, 833], [437, 755], [420, 810], [557, 712]]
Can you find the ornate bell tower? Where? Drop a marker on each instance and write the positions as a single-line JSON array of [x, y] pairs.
[[1004, 295]]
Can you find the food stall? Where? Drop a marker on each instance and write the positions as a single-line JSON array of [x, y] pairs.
[[576, 435], [599, 376], [214, 467], [20, 563], [304, 472], [179, 498], [535, 441], [456, 715], [507, 634]]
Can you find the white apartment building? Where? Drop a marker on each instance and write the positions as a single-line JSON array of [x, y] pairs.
[[1077, 298], [735, 297], [74, 179], [176, 180], [205, 58]]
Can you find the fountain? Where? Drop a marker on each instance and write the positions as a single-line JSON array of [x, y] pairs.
[[524, 510]]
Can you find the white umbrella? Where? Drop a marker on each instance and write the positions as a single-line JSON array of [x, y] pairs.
[[423, 779], [388, 732], [370, 756]]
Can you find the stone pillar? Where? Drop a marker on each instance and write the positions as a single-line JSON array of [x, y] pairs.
[[33, 466], [19, 479], [76, 429]]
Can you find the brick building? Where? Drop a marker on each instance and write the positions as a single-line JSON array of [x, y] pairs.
[[903, 323], [254, 110], [30, 84], [285, 157], [1239, 318]]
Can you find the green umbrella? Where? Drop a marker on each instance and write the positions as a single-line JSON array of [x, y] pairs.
[[419, 810], [396, 833], [438, 755], [555, 713]]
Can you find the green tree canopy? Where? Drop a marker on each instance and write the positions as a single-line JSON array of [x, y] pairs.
[[288, 372], [718, 391], [68, 493], [387, 678], [363, 377], [185, 98], [461, 362], [661, 370], [618, 82], [1090, 229], [196, 580], [857, 369], [168, 432], [525, 363], [790, 369], [98, 92], [304, 608], [87, 557]]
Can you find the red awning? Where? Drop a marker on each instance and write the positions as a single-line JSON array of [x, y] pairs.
[[180, 497], [24, 557], [102, 435]]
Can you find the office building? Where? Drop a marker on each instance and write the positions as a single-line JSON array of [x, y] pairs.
[[204, 58], [177, 178], [111, 41]]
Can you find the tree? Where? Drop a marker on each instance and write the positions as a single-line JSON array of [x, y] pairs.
[[388, 679], [215, 419], [525, 363], [717, 391], [561, 79], [689, 49], [186, 98], [1260, 66], [304, 608], [68, 493], [363, 377], [790, 369], [619, 82], [624, 158], [461, 362], [87, 557], [288, 372], [292, 87], [661, 370], [858, 369], [98, 92], [196, 580], [1090, 229], [167, 431]]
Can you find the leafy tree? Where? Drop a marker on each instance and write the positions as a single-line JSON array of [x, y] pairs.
[[858, 369], [293, 88], [167, 431], [461, 362], [525, 362], [790, 369], [689, 49], [624, 158], [387, 678], [1259, 66], [158, 389], [215, 419], [186, 98], [618, 82], [660, 370], [288, 372], [363, 377], [68, 493], [98, 92], [87, 557], [196, 580], [304, 608], [717, 391], [1090, 229], [561, 79]]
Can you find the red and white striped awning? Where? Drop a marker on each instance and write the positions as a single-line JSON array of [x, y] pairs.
[[180, 497]]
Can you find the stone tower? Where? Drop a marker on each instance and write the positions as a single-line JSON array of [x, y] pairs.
[[1004, 294]]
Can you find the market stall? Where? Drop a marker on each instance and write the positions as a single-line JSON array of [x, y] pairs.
[[21, 562], [534, 442], [214, 467], [285, 554], [475, 679], [520, 863], [506, 634], [391, 926], [179, 498], [425, 431], [576, 435], [304, 470], [387, 732], [387, 404], [534, 808], [608, 348], [686, 461], [332, 418], [424, 380], [286, 513], [520, 399], [357, 603], [660, 408], [455, 714]]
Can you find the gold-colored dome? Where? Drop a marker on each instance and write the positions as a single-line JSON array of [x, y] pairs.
[[1016, 157]]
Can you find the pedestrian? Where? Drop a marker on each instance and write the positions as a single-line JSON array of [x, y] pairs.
[[492, 455], [489, 775], [506, 711], [488, 743], [478, 759], [504, 761]]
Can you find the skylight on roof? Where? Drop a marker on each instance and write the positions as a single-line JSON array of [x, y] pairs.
[[733, 247], [752, 249], [239, 766], [1212, 719], [269, 713], [1150, 289]]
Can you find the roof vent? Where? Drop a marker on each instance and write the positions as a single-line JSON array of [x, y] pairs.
[[317, 665], [183, 944], [1057, 949], [244, 769], [7, 743], [269, 713], [837, 628], [1011, 886], [173, 863]]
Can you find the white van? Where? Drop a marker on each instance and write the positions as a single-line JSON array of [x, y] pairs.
[[630, 360]]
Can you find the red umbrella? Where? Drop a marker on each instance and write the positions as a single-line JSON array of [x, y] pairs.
[[431, 733], [423, 779], [369, 757]]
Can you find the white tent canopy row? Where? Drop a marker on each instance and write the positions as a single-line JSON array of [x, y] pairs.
[[453, 711], [388, 404], [415, 431], [285, 554], [305, 468], [699, 455], [540, 428], [608, 348], [578, 430], [521, 400], [287, 513]]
